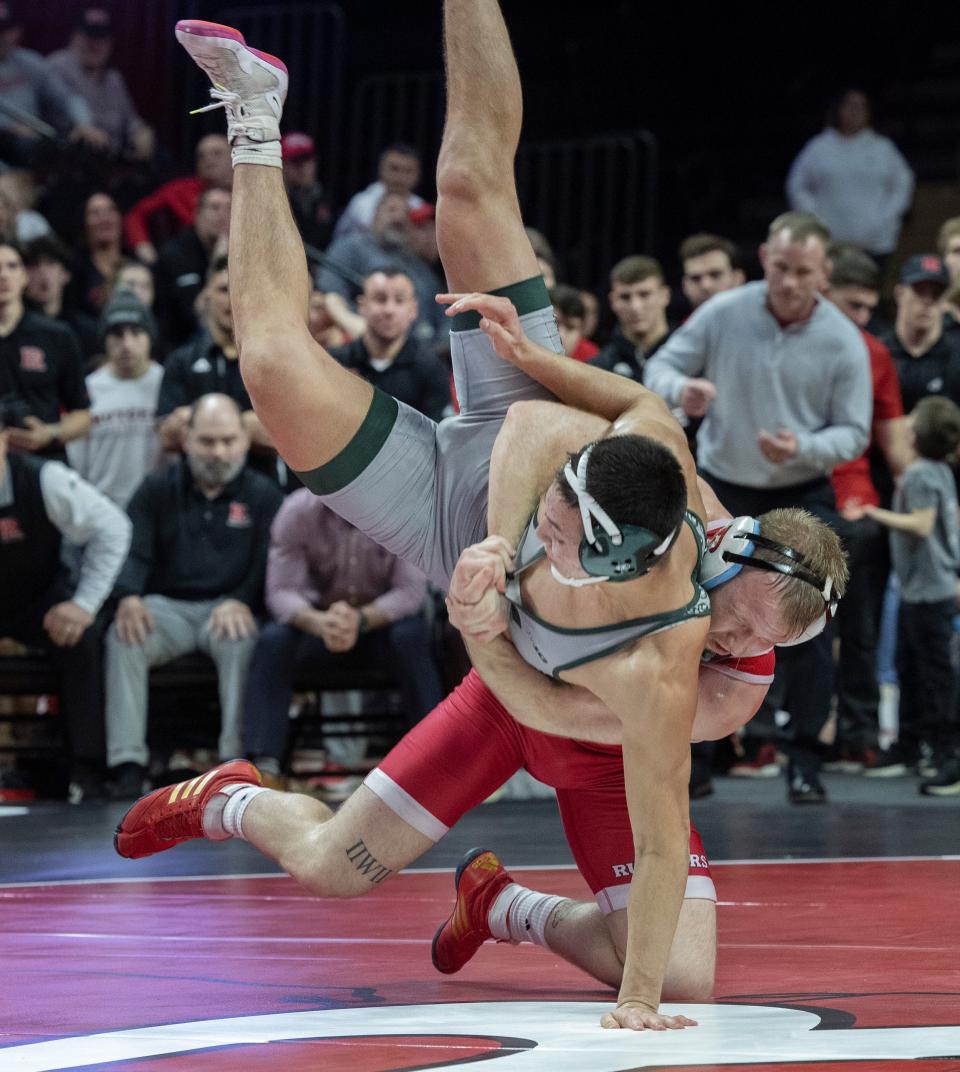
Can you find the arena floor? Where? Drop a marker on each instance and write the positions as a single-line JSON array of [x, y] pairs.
[[838, 950]]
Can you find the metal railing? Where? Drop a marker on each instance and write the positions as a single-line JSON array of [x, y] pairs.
[[594, 199], [389, 108]]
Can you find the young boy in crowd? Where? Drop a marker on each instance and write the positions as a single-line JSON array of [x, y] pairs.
[[925, 546]]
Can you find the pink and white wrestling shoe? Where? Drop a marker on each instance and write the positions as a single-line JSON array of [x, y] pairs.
[[248, 84]]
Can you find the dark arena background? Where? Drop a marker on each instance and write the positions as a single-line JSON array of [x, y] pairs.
[[837, 869]]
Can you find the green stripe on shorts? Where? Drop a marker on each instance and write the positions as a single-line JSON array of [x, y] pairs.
[[359, 452], [528, 296]]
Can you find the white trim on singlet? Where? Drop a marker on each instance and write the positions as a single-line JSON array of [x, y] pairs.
[[740, 675], [614, 898], [399, 800]]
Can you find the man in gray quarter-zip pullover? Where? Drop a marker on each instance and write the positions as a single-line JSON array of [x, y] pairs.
[[782, 380]]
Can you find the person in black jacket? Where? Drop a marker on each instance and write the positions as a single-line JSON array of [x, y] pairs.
[[183, 262], [387, 355], [639, 297], [926, 357], [193, 581], [41, 370]]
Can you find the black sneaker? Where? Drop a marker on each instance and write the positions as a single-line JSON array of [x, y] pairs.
[[86, 783], [946, 783], [805, 787], [895, 762], [928, 762], [128, 781]]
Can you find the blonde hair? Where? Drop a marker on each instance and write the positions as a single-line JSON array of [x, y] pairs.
[[823, 556]]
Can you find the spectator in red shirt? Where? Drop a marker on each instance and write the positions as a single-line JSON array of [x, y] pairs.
[[854, 289], [571, 314], [178, 197]]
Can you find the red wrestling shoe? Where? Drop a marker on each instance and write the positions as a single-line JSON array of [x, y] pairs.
[[479, 879], [173, 814]]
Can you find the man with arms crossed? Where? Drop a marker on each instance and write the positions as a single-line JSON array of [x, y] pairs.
[[298, 388]]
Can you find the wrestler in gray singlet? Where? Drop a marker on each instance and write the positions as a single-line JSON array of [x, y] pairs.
[[420, 488]]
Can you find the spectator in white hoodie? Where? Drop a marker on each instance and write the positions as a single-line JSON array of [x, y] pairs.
[[853, 179]]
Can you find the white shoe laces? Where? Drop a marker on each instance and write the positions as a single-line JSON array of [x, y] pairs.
[[222, 98]]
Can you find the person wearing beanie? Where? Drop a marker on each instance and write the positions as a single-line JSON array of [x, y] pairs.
[[123, 446]]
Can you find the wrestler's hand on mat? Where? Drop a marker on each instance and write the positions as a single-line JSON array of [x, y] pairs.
[[231, 620], [635, 1016], [499, 321], [134, 621], [66, 623], [778, 448], [696, 396], [474, 599]]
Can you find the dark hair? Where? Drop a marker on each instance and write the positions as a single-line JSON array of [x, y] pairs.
[[391, 271], [568, 301], [637, 480], [852, 267], [696, 245], [635, 270], [401, 148], [218, 264], [801, 225], [46, 248], [936, 427], [832, 117]]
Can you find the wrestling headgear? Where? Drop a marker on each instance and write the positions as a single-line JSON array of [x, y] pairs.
[[619, 552], [730, 549]]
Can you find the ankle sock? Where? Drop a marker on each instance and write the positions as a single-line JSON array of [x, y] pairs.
[[223, 813], [521, 915]]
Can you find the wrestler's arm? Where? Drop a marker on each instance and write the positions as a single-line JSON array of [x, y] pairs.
[[630, 407], [539, 702], [653, 689], [724, 703]]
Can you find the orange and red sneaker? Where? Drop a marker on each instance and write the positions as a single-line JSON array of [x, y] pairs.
[[174, 813], [479, 879]]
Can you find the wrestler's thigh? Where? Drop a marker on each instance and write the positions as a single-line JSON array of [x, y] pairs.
[[482, 241], [693, 953], [451, 761], [367, 842]]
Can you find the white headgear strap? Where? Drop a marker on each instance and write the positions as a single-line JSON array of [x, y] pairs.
[[589, 507]]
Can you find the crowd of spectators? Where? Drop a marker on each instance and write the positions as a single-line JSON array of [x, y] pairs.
[[145, 515]]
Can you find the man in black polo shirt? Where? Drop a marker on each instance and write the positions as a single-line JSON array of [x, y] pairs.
[[386, 355], [208, 364], [193, 581], [42, 392], [43, 505], [927, 360]]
